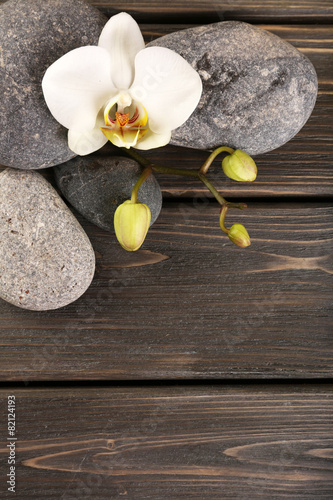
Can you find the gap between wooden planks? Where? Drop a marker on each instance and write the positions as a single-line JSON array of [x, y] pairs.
[[189, 304]]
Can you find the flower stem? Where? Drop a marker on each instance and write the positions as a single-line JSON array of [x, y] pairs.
[[212, 156], [198, 174], [145, 174], [212, 189], [223, 213]]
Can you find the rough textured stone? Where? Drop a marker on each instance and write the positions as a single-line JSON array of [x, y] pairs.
[[258, 90], [35, 34], [46, 259], [96, 185]]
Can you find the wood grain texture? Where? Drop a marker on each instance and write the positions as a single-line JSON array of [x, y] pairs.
[[198, 443], [178, 11], [183, 11], [190, 304]]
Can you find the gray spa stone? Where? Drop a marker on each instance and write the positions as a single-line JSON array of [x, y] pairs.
[[258, 90], [35, 34], [96, 185], [46, 259]]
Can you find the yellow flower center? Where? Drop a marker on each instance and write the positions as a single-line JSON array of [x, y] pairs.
[[125, 121]]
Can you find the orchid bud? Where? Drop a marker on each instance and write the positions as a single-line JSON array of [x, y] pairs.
[[131, 224], [239, 166], [239, 235]]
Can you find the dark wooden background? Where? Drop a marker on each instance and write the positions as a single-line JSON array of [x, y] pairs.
[[193, 369]]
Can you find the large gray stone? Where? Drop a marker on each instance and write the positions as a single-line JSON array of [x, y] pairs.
[[258, 90], [34, 34], [46, 259], [96, 185]]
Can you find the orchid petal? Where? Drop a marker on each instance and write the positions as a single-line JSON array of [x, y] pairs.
[[123, 137], [84, 143], [167, 86], [121, 36], [151, 140], [77, 85]]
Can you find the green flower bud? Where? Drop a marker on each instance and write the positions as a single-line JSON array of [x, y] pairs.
[[239, 166], [131, 224], [239, 235]]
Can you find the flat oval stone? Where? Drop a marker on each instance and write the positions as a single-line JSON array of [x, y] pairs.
[[96, 185], [46, 259], [258, 90], [35, 34]]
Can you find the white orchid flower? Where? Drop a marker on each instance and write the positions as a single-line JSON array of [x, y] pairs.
[[120, 91]]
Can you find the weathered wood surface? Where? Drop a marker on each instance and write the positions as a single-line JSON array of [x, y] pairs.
[[184, 11], [177, 11], [190, 304], [178, 442]]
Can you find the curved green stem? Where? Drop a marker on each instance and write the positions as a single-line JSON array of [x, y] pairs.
[[186, 173], [212, 189], [212, 156], [223, 213], [145, 174]]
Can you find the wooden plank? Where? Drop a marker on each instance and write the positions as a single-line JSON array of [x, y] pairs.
[[180, 11], [189, 304], [303, 167], [180, 442]]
